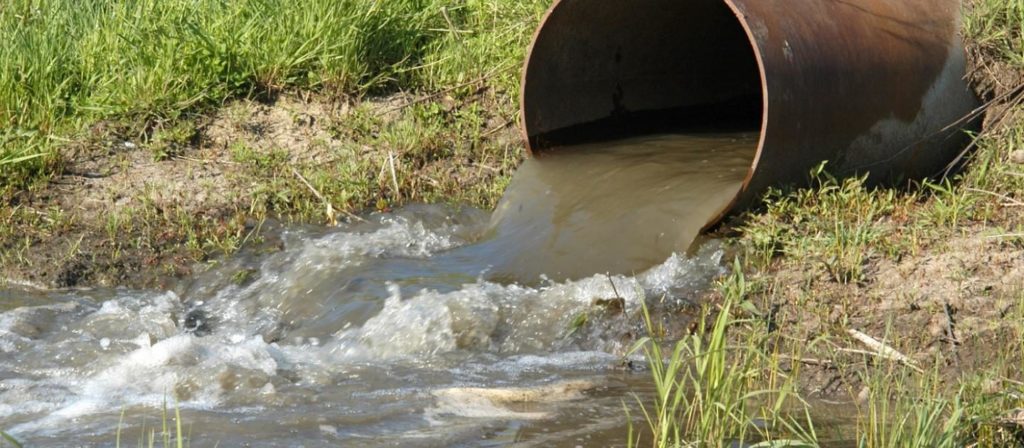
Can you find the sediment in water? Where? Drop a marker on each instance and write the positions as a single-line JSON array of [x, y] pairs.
[[618, 207], [340, 333]]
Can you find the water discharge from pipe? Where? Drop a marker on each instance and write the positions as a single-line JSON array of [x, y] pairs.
[[619, 207], [447, 299], [378, 333], [871, 86]]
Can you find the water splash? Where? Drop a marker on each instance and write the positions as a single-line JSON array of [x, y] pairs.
[[404, 329]]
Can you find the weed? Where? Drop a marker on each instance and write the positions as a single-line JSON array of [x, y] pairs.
[[9, 439], [167, 437], [838, 225], [997, 28], [171, 140], [705, 387], [900, 411], [243, 276]]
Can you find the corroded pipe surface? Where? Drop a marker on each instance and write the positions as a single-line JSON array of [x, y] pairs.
[[869, 85]]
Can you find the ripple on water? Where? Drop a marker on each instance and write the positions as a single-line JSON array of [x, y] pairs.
[[398, 330]]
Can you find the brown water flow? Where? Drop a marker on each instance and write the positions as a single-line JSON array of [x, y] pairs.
[[420, 327], [618, 207]]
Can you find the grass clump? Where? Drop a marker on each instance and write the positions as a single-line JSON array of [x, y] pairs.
[[903, 411], [167, 436], [996, 27], [837, 225], [711, 391]]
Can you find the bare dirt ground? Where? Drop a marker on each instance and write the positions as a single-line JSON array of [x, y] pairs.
[[951, 306], [113, 176], [143, 210]]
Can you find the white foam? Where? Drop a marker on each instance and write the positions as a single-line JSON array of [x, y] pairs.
[[131, 350], [194, 369], [485, 316]]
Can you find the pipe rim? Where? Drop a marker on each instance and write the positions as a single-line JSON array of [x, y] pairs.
[[526, 69], [765, 103]]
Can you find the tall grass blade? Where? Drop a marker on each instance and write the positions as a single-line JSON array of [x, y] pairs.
[[7, 438]]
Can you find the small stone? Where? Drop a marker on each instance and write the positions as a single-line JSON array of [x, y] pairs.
[[1017, 157], [864, 396]]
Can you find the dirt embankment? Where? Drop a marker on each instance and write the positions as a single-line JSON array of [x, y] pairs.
[[130, 209], [951, 299], [955, 306]]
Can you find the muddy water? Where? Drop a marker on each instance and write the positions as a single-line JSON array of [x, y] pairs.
[[424, 327], [618, 207]]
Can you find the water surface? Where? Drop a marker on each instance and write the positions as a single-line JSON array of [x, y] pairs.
[[429, 326]]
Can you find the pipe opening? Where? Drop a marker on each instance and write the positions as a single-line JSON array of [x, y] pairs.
[[608, 69]]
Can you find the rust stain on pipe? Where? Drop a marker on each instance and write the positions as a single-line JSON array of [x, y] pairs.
[[869, 85]]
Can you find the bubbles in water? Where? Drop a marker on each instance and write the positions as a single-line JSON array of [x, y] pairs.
[[371, 331]]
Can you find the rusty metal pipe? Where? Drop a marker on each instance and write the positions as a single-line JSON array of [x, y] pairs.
[[872, 86]]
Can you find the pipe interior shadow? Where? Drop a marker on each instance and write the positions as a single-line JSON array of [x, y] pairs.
[[608, 69]]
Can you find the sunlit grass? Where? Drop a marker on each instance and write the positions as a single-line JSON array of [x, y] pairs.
[[171, 432], [67, 64], [837, 226], [710, 391], [902, 410], [997, 27], [166, 437]]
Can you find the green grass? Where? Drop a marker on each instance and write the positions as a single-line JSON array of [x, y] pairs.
[[166, 437], [7, 439], [837, 226], [907, 409], [734, 382], [997, 28], [68, 64], [901, 412], [711, 392], [79, 78]]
